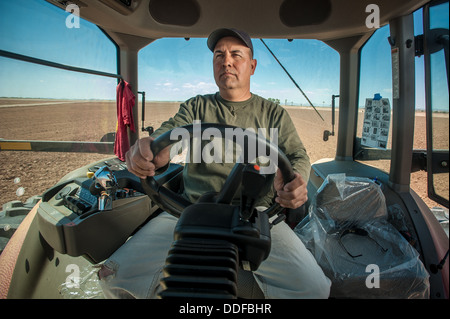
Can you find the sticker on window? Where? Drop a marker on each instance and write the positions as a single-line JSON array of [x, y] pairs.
[[377, 119]]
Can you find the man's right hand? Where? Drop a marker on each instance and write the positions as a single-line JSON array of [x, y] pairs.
[[140, 160]]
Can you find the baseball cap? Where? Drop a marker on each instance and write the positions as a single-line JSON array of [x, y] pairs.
[[215, 36]]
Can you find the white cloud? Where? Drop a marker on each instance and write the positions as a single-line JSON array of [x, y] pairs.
[[199, 87], [177, 89]]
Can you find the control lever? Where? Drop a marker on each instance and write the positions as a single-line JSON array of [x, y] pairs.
[[105, 185], [253, 185]]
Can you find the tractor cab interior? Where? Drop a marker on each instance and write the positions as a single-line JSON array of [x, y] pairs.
[[359, 219]]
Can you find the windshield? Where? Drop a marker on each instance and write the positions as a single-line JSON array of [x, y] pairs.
[[41, 103], [174, 70]]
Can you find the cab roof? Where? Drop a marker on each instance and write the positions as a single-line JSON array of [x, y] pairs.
[[289, 19]]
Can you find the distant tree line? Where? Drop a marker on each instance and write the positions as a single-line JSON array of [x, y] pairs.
[[277, 101]]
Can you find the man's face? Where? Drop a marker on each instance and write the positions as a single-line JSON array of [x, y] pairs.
[[233, 64]]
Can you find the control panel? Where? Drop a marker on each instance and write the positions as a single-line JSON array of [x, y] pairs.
[[94, 215]]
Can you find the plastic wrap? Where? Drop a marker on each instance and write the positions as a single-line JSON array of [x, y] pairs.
[[364, 255], [81, 283]]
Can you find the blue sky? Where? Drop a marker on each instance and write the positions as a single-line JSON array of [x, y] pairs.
[[173, 69]]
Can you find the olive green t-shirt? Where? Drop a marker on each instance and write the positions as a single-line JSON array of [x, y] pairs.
[[256, 112]]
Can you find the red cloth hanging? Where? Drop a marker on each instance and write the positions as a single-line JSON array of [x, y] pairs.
[[125, 103]]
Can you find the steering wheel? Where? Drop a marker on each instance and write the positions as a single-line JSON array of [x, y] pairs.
[[174, 203]]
